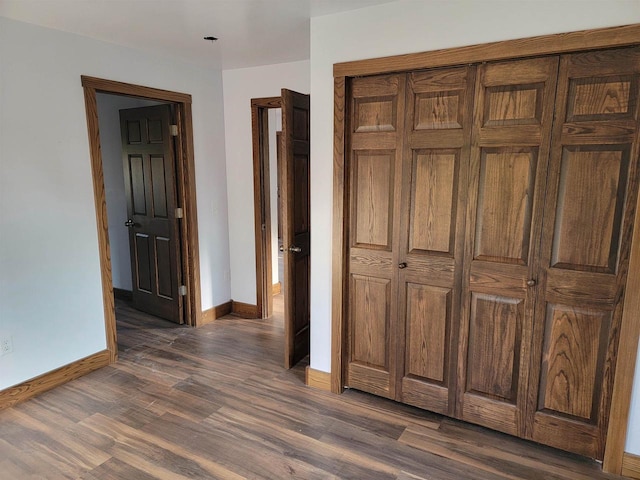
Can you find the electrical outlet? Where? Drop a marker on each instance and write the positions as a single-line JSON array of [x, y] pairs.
[[6, 345]]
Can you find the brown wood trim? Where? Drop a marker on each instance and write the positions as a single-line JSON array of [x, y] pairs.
[[189, 225], [224, 309], [26, 390], [245, 310], [318, 379], [277, 288], [100, 200], [216, 312], [186, 190], [521, 48], [128, 89], [267, 102], [626, 364], [630, 465], [122, 294], [261, 201], [208, 315], [340, 217]]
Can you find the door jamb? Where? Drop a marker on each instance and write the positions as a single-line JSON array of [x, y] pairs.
[[185, 180], [262, 202], [603, 38]]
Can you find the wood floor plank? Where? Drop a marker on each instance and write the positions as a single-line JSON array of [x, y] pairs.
[[167, 455], [215, 402], [219, 438], [115, 469]]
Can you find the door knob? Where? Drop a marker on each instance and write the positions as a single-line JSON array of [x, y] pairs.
[[281, 248], [295, 249], [402, 265], [129, 223], [531, 283]]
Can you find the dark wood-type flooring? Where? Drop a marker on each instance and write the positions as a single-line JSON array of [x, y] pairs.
[[215, 402]]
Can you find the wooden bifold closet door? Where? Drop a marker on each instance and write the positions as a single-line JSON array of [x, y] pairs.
[[491, 209]]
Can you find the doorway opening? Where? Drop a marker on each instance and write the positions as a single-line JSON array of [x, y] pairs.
[[185, 191], [294, 215]]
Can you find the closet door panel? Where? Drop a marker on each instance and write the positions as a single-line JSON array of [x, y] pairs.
[[373, 202], [592, 191], [436, 158], [505, 200], [592, 187], [375, 183], [513, 114]]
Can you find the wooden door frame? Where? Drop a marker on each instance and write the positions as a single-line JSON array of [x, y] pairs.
[[185, 181], [522, 48], [262, 202]]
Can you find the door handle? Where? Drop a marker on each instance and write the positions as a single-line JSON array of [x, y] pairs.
[[531, 283], [295, 249], [281, 248], [129, 223], [402, 265]]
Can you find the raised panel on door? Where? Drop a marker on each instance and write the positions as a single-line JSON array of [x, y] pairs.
[[495, 334], [513, 114], [592, 187], [435, 168], [370, 317], [373, 198], [505, 201], [572, 353], [588, 220], [376, 125]]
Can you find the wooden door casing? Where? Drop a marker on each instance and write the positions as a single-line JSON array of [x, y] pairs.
[[435, 166], [586, 241], [513, 114], [150, 188], [296, 223]]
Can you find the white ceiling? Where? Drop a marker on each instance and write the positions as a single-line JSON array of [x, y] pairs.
[[250, 32]]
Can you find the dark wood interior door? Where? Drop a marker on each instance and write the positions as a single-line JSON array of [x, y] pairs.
[[296, 224], [588, 224], [150, 187], [513, 112]]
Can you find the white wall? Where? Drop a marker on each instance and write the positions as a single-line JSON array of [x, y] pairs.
[[109, 107], [633, 432], [409, 26], [240, 86], [275, 125], [50, 291]]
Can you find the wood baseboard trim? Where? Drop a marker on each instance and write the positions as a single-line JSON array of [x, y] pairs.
[[277, 288], [630, 465], [218, 311], [224, 309], [318, 379], [122, 294], [244, 309], [26, 390]]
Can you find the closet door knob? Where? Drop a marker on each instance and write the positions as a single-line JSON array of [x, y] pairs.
[[402, 265], [531, 283]]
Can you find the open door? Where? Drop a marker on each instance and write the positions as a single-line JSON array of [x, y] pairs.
[[150, 187], [295, 224]]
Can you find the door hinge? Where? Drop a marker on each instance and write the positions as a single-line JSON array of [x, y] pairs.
[[173, 129], [182, 290], [179, 212]]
